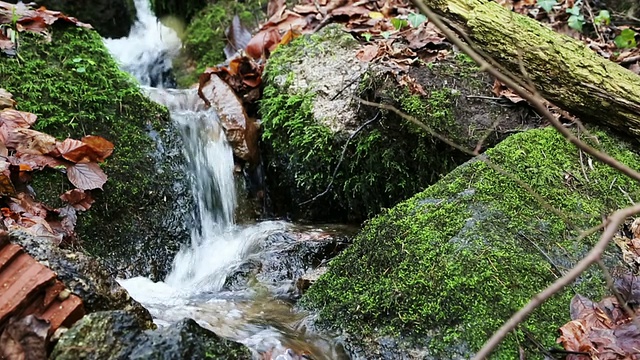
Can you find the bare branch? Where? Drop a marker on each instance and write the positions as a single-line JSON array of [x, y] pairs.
[[592, 257]]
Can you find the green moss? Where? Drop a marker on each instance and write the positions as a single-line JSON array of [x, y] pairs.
[[205, 40], [76, 89], [436, 110], [303, 152], [454, 262]]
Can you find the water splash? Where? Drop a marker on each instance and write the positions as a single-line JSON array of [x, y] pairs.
[[193, 288], [148, 51]]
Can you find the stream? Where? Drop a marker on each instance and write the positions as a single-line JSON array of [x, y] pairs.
[[259, 312]]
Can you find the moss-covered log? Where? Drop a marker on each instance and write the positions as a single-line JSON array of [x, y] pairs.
[[563, 70]]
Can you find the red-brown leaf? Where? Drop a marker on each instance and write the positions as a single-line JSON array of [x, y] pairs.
[[263, 42], [76, 151], [86, 176], [78, 198], [102, 147]]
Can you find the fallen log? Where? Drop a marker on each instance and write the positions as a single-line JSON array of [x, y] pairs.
[[562, 69]]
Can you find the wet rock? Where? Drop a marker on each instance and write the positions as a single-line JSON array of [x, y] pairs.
[[283, 258], [330, 158], [111, 18], [447, 267], [116, 335], [307, 279], [241, 131], [82, 275]]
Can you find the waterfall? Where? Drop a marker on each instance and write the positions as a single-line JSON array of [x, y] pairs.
[[216, 243], [194, 286]]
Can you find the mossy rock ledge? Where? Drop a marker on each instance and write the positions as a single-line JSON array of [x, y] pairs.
[[75, 88], [436, 275], [308, 114], [116, 335], [204, 37]]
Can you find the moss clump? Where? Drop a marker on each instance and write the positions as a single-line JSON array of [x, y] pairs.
[[303, 151], [451, 264], [75, 87], [204, 42]]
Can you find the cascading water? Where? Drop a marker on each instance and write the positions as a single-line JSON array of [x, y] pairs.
[[194, 286]]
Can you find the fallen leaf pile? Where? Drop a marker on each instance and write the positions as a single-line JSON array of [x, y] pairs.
[[17, 18], [604, 330], [23, 151], [395, 35]]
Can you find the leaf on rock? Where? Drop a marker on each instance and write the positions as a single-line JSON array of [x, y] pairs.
[[78, 198], [75, 151], [101, 146], [33, 142], [86, 176], [6, 98], [275, 6], [25, 338], [263, 43], [238, 37]]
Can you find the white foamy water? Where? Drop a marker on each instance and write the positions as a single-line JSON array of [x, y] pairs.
[[149, 49], [194, 286]]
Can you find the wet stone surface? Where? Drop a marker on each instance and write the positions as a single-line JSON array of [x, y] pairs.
[[282, 258]]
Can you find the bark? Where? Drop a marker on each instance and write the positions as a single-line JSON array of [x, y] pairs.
[[562, 69]]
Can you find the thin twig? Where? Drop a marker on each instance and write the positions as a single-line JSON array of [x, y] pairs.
[[484, 159], [592, 257], [344, 150]]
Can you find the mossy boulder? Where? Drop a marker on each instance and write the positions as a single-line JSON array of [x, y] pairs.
[[116, 335], [111, 18], [205, 39], [443, 270], [313, 127], [75, 88]]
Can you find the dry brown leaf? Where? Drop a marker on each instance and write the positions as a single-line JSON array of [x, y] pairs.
[[86, 176], [102, 147], [32, 142], [78, 198], [368, 53], [6, 98], [15, 119]]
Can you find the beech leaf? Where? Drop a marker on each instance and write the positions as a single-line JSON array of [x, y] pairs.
[[75, 151], [86, 176], [102, 147], [33, 142], [78, 198]]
